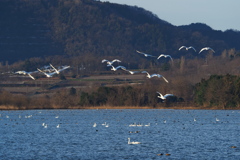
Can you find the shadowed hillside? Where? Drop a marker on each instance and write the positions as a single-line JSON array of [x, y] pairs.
[[82, 27]]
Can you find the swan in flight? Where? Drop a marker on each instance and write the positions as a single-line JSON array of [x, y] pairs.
[[131, 72], [110, 62], [129, 142], [164, 55], [165, 96], [206, 48], [26, 73], [187, 48], [58, 71], [47, 74], [145, 54], [155, 75], [115, 68]]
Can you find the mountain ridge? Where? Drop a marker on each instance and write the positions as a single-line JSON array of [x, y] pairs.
[[82, 27]]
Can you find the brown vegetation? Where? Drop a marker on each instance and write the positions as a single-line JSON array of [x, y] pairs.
[[120, 89]]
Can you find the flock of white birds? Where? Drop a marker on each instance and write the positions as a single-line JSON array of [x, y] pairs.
[[163, 97], [48, 71]]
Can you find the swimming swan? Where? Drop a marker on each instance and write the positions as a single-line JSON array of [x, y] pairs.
[[129, 142]]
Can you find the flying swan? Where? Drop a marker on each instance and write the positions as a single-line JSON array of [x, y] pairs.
[[26, 73], [110, 62], [115, 68], [165, 96], [155, 75], [47, 74], [58, 71], [145, 54], [187, 48], [164, 55], [131, 72], [206, 48]]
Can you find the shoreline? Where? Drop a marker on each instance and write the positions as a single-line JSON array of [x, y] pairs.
[[3, 107]]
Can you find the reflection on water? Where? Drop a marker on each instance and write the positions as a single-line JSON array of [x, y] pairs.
[[103, 134]]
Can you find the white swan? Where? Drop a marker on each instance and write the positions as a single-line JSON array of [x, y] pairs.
[[145, 54], [217, 119], [58, 126], [47, 74], [26, 73], [58, 71], [129, 142], [95, 125], [164, 55], [187, 48], [131, 72], [165, 96], [155, 75], [206, 48], [115, 68], [110, 62], [139, 125], [133, 125], [147, 125]]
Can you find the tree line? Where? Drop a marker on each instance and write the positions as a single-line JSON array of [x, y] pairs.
[[219, 91]]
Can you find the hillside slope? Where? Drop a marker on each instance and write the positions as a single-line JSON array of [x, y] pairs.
[[82, 27]]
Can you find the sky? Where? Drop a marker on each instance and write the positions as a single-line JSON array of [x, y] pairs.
[[218, 14]]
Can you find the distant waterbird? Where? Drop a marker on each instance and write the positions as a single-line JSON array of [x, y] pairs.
[[129, 142], [187, 48], [206, 48], [116, 68], [131, 72], [165, 56], [26, 73], [163, 97], [145, 54], [155, 75], [47, 74], [110, 62], [59, 70]]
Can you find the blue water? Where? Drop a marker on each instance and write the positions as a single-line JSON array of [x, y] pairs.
[[24, 136]]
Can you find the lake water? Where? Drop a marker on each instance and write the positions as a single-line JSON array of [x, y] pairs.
[[183, 134]]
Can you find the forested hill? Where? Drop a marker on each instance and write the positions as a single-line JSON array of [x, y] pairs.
[[81, 27]]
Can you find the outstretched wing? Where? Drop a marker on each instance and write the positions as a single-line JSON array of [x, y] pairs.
[[64, 68], [212, 50], [165, 79], [104, 60], [161, 55], [182, 47], [54, 68], [192, 48], [31, 76], [169, 57], [116, 60], [122, 67], [167, 95]]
